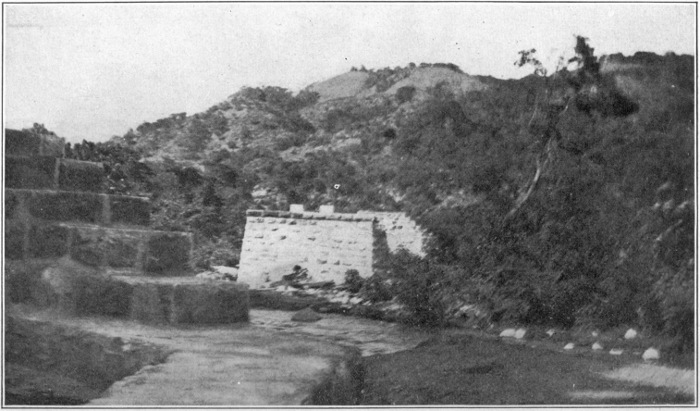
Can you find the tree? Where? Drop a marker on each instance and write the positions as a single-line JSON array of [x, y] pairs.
[[585, 87]]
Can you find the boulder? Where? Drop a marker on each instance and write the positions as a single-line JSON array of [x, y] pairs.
[[520, 333], [569, 346], [651, 354], [596, 346], [226, 270], [507, 333], [616, 351], [307, 315], [631, 334]]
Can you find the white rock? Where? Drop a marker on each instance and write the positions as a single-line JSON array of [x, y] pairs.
[[596, 346], [508, 332], [630, 334], [550, 332], [355, 300], [569, 346], [520, 333], [616, 351], [223, 269], [595, 333], [651, 354]]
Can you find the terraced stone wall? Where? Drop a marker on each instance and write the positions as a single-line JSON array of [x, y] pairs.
[[56, 209]]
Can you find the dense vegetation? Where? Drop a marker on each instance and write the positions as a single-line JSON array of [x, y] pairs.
[[561, 199]]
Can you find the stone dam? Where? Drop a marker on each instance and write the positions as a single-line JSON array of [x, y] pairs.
[[326, 243]]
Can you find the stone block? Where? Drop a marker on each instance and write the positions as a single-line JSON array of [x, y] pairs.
[[122, 250], [15, 235], [296, 208], [62, 285], [327, 209], [49, 241], [150, 303], [29, 144], [22, 279], [87, 246], [52, 145], [20, 143], [254, 213], [104, 246], [210, 303], [129, 210], [30, 172], [12, 204], [101, 295], [77, 175], [65, 206], [188, 300], [168, 253]]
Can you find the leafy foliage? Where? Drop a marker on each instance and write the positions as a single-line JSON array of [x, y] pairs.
[[418, 286]]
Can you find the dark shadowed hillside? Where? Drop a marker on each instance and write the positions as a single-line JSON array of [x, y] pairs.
[[563, 199]]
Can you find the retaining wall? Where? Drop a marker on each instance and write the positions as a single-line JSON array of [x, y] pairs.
[[401, 231], [326, 244]]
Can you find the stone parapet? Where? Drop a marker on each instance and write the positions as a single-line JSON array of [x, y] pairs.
[[50, 173], [140, 252], [34, 206], [308, 215]]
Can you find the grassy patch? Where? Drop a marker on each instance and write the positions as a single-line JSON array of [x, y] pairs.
[[460, 369]]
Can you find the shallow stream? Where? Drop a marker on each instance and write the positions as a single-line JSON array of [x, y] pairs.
[[370, 336]]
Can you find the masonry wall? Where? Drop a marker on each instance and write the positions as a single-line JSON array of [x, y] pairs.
[[326, 244], [401, 230]]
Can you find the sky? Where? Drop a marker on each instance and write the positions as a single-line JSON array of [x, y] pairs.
[[92, 71]]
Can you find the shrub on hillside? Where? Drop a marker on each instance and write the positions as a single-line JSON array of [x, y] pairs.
[[418, 286], [675, 291], [405, 94], [376, 289], [353, 281], [289, 141]]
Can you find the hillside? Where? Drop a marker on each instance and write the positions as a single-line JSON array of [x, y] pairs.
[[566, 199]]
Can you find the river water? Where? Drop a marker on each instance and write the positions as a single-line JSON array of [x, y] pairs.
[[370, 336]]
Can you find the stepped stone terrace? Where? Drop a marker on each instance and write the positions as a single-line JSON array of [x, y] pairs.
[[70, 246]]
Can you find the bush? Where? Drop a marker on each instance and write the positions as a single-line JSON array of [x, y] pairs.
[[675, 292], [353, 281], [376, 290], [418, 285], [405, 94]]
